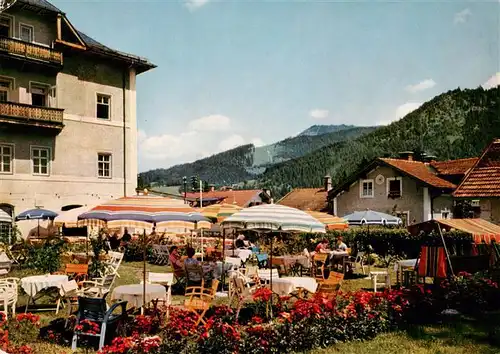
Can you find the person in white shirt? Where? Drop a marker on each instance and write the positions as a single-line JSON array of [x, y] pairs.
[[340, 245]]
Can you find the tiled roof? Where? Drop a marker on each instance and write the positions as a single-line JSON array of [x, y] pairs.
[[239, 197], [418, 170], [483, 179], [42, 4], [313, 199], [454, 167]]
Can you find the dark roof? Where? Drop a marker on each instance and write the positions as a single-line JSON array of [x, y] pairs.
[[42, 4], [142, 64], [483, 179], [415, 169]]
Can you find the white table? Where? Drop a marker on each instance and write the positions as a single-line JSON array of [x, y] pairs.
[[287, 285], [134, 294], [240, 253], [35, 284]]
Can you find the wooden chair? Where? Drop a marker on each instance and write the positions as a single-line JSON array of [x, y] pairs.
[[331, 284], [318, 266], [77, 272], [199, 300], [194, 274], [279, 264], [69, 293], [242, 291]]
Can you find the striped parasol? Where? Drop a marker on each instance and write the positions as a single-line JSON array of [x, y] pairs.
[[331, 222], [69, 218], [220, 212], [4, 217], [274, 217], [144, 212]]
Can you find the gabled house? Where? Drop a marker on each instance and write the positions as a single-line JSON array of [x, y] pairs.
[[241, 197], [413, 190], [314, 199], [481, 185]]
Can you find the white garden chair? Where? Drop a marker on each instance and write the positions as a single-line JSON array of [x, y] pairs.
[[99, 286], [9, 294], [112, 265]]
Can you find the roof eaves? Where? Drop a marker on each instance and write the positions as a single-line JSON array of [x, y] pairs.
[[352, 178]]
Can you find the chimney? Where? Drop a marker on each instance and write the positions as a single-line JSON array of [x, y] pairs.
[[327, 183], [406, 155]]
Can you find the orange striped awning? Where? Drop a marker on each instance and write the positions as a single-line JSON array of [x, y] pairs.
[[481, 230], [331, 222]]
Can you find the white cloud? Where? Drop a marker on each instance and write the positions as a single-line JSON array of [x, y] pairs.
[[257, 142], [319, 113], [231, 142], [401, 112], [211, 123], [165, 150], [462, 16], [193, 5], [493, 81], [421, 86]]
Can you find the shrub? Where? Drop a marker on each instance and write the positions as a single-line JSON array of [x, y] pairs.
[[47, 257]]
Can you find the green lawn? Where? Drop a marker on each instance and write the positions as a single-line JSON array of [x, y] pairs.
[[458, 337]]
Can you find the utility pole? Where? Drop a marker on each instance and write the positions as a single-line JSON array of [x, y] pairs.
[[184, 180]]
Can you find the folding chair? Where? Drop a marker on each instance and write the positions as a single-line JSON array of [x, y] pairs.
[[353, 262], [111, 267], [330, 285], [200, 299], [319, 261], [262, 260]]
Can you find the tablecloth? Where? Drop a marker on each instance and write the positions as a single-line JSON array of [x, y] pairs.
[[163, 278], [287, 285], [34, 284], [407, 263], [133, 294], [240, 253], [291, 260]]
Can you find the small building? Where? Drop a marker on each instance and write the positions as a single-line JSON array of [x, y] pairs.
[[241, 197], [480, 187], [409, 189]]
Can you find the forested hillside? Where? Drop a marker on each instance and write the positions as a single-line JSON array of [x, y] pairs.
[[455, 124], [248, 162]]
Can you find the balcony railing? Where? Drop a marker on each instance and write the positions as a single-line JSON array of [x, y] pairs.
[[28, 113], [30, 50]]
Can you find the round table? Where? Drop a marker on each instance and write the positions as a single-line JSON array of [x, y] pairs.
[[133, 293], [36, 283], [287, 285]]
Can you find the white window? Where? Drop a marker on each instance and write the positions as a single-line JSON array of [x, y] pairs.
[[6, 158], [366, 188], [26, 33], [40, 158], [104, 165], [394, 187], [103, 106]]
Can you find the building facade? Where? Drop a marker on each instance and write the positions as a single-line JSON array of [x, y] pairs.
[[68, 124]]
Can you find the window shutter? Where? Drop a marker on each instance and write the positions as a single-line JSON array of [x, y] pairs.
[[52, 97], [24, 96]]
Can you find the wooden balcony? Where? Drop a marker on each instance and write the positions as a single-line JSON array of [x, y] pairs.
[[30, 51], [25, 114]]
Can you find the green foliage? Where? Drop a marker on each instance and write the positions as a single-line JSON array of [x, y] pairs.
[[455, 124], [237, 165], [45, 257], [96, 266]]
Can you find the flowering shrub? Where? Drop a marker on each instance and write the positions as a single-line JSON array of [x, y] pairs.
[[133, 345], [144, 324], [88, 327], [24, 328]]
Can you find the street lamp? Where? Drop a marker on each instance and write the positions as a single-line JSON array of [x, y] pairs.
[[184, 180]]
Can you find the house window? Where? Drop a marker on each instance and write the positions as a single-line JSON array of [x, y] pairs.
[[104, 165], [6, 157], [394, 187], [103, 105], [366, 188], [5, 26], [40, 158], [26, 33], [38, 95], [4, 90]]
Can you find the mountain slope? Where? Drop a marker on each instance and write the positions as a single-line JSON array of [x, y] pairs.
[[248, 162], [455, 124], [325, 129]]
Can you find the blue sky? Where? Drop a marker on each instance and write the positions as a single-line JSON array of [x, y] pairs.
[[235, 72]]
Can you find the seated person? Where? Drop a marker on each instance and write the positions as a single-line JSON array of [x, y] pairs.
[[340, 245], [193, 269], [175, 259], [241, 243], [323, 247]]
